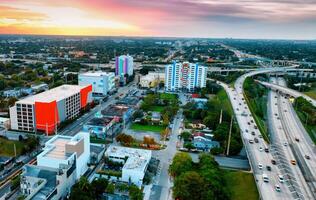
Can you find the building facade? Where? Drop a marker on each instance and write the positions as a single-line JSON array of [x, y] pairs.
[[46, 110], [63, 161], [135, 162], [102, 82], [184, 77], [124, 65]]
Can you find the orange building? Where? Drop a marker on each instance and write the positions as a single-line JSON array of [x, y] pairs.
[[43, 112]]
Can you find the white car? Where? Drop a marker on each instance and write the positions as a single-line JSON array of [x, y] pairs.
[[281, 178], [260, 166], [277, 188]]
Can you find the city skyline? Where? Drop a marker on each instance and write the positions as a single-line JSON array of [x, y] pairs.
[[252, 19]]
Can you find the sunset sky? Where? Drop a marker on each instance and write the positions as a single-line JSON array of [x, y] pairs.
[[282, 19]]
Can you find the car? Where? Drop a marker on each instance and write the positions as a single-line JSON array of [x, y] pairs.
[[276, 104], [260, 136], [307, 157], [246, 130], [265, 178], [266, 150], [240, 104], [277, 188], [276, 114], [251, 121], [251, 141], [256, 140], [260, 149], [248, 123], [281, 178], [255, 127], [184, 149], [285, 110], [297, 140], [268, 168], [260, 166], [293, 162], [285, 143], [273, 162], [253, 133]]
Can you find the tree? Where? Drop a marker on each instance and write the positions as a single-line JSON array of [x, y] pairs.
[[165, 119], [186, 135], [123, 138], [110, 188], [99, 186], [135, 193], [148, 140], [188, 186], [189, 145], [181, 163]]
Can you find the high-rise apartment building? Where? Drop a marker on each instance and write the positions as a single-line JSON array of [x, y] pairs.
[[102, 82], [184, 76], [44, 111], [124, 65]]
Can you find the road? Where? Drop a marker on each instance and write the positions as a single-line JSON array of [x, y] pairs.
[[282, 151], [301, 142], [288, 91], [161, 189]]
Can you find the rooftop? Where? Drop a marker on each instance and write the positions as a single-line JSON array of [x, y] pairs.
[[97, 73], [137, 158], [115, 110], [57, 94], [129, 101], [103, 121]]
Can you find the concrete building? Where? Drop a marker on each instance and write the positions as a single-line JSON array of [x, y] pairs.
[[124, 65], [46, 110], [152, 79], [102, 82], [184, 77], [135, 162], [99, 127], [63, 161]]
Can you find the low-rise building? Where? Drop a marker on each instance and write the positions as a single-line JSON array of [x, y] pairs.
[[102, 82], [135, 162], [119, 112], [152, 79], [99, 126], [63, 161], [204, 142], [5, 122], [12, 93]]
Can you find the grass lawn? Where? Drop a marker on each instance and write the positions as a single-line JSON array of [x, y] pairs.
[[242, 185], [153, 128], [311, 93], [311, 130], [156, 108], [7, 147], [168, 96], [222, 96]]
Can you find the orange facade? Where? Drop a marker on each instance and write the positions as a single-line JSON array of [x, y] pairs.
[[46, 115], [84, 95]]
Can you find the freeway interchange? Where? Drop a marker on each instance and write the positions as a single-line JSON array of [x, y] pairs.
[[274, 165]]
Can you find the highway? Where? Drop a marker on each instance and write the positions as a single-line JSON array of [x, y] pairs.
[[282, 151], [303, 146], [255, 151], [288, 91]]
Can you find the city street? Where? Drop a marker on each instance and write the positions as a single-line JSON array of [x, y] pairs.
[[161, 189]]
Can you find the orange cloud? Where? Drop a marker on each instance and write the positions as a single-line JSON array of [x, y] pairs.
[[7, 12]]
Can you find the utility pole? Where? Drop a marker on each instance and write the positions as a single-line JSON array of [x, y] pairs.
[[221, 116], [230, 134], [14, 149]]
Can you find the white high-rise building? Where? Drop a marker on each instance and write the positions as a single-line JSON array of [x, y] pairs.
[[102, 82], [185, 76]]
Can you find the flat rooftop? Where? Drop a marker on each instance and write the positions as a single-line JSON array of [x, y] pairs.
[[59, 150], [137, 160], [115, 110], [57, 94], [133, 101], [103, 121], [98, 73]]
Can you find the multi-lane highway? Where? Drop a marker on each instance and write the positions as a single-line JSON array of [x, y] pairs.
[[282, 151], [301, 144], [260, 160], [288, 91]]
